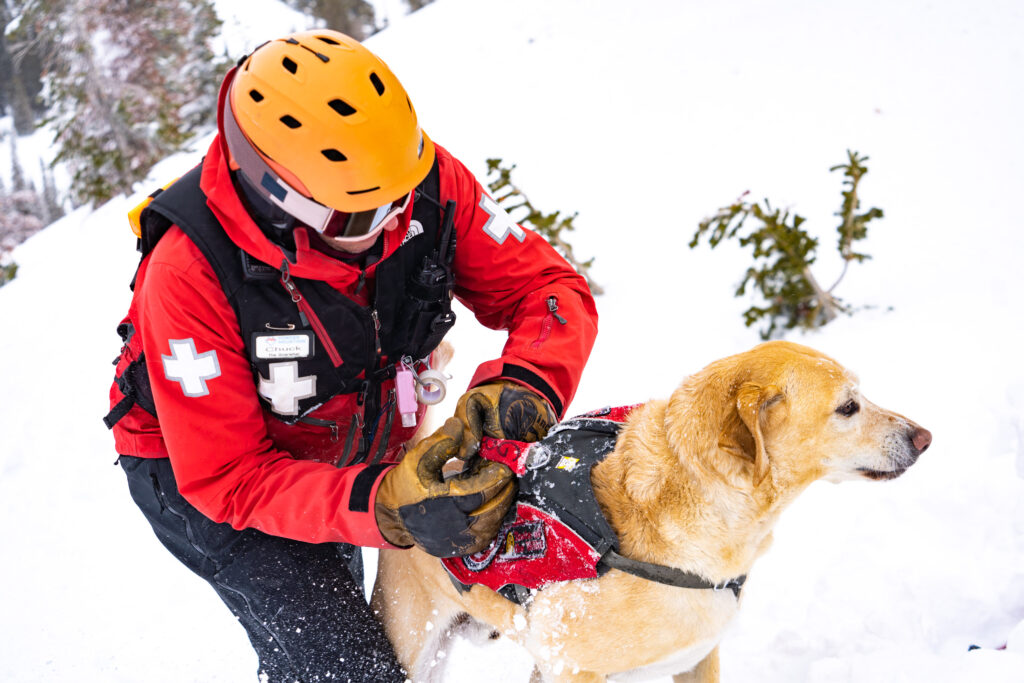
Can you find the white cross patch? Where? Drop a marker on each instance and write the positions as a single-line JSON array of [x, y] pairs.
[[189, 368], [499, 225], [285, 388]]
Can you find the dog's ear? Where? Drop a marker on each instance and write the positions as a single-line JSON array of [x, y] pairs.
[[743, 433]]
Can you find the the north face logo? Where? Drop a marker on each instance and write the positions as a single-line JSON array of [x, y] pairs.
[[415, 229]]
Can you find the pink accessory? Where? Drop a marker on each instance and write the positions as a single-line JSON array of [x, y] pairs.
[[405, 389]]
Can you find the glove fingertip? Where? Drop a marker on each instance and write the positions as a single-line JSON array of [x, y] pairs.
[[453, 428]]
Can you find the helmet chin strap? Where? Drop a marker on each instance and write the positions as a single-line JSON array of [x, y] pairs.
[[269, 185]]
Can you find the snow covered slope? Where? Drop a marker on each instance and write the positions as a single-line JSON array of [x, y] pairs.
[[644, 117]]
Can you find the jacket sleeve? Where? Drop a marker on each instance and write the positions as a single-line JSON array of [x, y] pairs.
[[512, 279], [212, 422]]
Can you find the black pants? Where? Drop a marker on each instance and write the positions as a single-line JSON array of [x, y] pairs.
[[305, 613]]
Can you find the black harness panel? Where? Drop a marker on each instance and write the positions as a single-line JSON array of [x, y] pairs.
[[565, 491]]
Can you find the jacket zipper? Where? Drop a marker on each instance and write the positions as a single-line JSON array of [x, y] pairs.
[[548, 323], [317, 422], [354, 427], [385, 436], [369, 397], [307, 311]]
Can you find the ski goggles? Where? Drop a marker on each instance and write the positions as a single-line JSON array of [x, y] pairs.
[[357, 227], [341, 226]]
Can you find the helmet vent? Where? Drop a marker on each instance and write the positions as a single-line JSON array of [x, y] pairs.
[[329, 41], [378, 84], [369, 189], [256, 95], [290, 121], [409, 102], [333, 155], [342, 107], [288, 64]]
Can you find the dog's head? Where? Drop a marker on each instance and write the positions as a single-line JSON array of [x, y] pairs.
[[787, 414]]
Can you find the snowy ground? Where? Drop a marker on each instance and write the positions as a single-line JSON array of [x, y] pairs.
[[644, 117]]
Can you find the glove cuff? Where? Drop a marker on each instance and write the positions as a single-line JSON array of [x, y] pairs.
[[528, 378], [389, 523]]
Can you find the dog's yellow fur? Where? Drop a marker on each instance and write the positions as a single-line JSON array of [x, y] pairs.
[[695, 482]]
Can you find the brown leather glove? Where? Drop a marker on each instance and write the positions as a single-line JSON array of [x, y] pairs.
[[502, 410], [460, 516]]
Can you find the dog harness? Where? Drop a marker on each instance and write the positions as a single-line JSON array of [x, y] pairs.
[[558, 532]]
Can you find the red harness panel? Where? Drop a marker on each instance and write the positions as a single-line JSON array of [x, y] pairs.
[[536, 548]]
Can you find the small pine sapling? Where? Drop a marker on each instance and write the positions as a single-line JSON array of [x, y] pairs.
[[550, 226], [783, 253], [7, 269]]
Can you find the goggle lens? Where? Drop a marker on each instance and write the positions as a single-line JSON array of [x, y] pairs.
[[357, 226]]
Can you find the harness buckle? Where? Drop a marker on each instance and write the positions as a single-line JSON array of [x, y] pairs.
[[735, 585]]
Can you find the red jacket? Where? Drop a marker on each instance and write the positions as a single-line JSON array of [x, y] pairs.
[[233, 459]]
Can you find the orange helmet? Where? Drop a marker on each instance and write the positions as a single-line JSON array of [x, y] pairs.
[[332, 120]]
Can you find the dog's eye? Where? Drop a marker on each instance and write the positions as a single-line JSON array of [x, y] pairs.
[[848, 409]]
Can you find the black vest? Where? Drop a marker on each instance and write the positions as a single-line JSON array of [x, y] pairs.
[[346, 347], [566, 492]]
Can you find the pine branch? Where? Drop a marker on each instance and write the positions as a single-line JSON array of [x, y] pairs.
[[853, 226], [783, 253]]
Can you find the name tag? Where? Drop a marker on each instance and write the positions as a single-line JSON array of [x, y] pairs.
[[283, 346]]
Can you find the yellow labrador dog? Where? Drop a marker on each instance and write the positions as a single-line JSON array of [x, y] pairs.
[[693, 483]]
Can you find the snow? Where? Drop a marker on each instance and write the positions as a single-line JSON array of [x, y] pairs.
[[644, 117], [31, 148]]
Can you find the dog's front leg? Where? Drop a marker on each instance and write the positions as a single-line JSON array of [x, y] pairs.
[[415, 623], [705, 672]]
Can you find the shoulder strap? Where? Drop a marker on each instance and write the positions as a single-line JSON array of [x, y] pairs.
[[184, 204]]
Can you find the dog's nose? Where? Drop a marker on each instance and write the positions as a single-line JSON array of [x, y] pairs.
[[922, 439]]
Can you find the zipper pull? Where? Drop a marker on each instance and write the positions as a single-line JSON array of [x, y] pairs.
[[362, 281], [286, 280], [376, 329], [553, 308]]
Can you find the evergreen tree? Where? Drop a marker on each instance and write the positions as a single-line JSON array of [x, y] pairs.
[[784, 252], [17, 174], [13, 94], [50, 203], [21, 66], [19, 220], [355, 18], [6, 63], [128, 82]]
